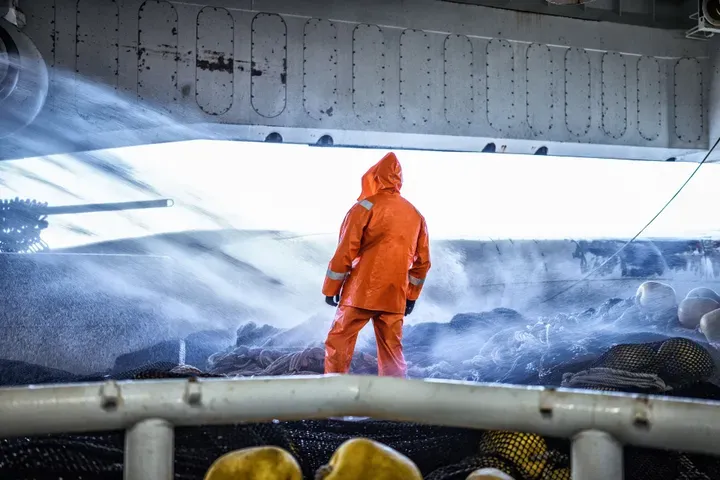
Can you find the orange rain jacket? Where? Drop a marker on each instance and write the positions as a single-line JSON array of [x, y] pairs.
[[383, 254]]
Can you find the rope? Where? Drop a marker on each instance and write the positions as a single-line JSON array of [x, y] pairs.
[[249, 362], [615, 379], [667, 204]]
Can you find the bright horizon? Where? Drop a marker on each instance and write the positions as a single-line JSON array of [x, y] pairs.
[[307, 190]]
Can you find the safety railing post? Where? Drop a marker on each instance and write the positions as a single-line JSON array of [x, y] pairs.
[[149, 451], [596, 455], [653, 422]]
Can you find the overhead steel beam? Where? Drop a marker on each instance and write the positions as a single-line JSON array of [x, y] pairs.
[[650, 13], [429, 72]]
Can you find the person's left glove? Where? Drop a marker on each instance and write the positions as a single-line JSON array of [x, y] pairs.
[[409, 306], [333, 301]]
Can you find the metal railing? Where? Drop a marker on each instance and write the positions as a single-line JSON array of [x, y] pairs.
[[599, 424]]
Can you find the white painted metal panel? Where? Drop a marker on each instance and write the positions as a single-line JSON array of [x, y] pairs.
[[689, 96], [515, 94], [41, 28], [215, 60], [614, 94], [474, 21], [41, 18], [268, 87], [539, 89], [368, 88], [578, 114], [416, 61], [97, 46], [96, 40], [458, 84], [157, 57], [500, 85], [320, 68], [649, 103]]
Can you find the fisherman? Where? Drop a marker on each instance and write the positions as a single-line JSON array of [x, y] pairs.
[[377, 272]]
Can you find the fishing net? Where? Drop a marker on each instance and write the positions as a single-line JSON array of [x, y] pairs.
[[674, 367]]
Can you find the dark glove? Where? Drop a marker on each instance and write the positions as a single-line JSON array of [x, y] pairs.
[[333, 301], [409, 305]]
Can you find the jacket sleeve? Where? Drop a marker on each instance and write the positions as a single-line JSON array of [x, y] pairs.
[[421, 264], [351, 233]]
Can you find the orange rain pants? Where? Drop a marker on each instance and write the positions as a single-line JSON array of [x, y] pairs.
[[381, 261], [348, 322]]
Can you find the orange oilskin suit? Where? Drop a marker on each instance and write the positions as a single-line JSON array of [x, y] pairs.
[[380, 265]]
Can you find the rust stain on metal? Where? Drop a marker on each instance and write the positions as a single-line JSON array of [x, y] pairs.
[[642, 412], [158, 50], [547, 401], [216, 63]]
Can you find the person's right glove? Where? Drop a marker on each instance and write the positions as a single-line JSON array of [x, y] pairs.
[[333, 301], [409, 306]]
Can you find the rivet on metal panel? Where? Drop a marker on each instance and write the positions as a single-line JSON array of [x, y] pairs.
[[193, 392], [110, 395]]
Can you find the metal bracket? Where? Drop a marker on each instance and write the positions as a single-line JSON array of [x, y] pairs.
[[12, 13], [703, 30]]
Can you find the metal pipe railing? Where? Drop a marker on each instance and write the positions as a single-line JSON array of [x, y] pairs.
[[596, 455], [598, 423], [149, 450]]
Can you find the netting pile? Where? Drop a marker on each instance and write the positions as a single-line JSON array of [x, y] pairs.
[[678, 367], [500, 345]]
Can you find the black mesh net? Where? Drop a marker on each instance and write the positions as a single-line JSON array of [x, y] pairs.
[[675, 367]]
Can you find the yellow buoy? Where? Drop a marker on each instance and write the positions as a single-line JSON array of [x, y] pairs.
[[655, 296], [527, 451], [489, 474], [710, 326], [256, 463], [692, 309], [364, 459]]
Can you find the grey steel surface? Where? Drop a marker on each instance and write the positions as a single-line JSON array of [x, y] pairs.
[[368, 68], [671, 14]]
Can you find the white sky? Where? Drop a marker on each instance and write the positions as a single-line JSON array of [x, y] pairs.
[[308, 190]]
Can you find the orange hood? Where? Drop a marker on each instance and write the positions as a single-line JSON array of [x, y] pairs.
[[386, 175]]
